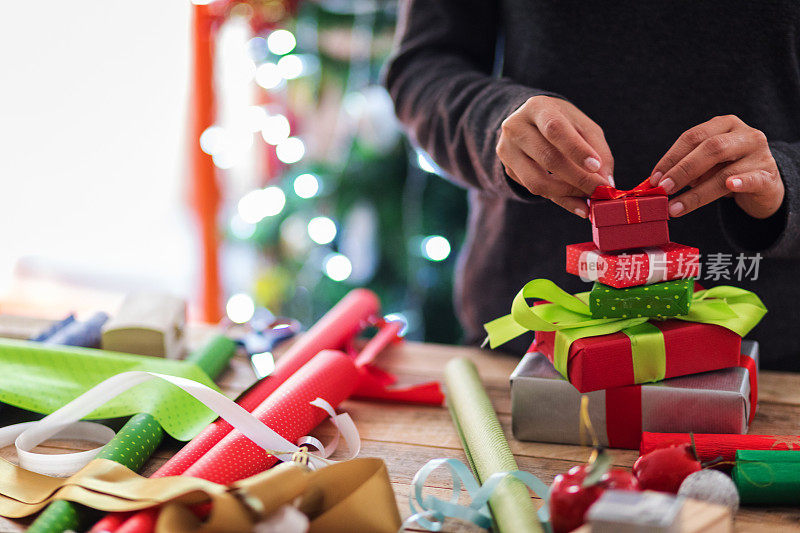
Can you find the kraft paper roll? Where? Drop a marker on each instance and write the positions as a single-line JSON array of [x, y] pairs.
[[768, 477], [486, 447], [133, 445]]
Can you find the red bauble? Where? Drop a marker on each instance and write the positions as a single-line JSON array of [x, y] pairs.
[[569, 499], [665, 469]]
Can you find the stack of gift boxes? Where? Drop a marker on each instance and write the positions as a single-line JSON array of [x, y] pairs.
[[664, 374]]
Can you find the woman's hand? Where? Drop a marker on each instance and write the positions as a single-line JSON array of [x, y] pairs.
[[552, 149], [720, 157]]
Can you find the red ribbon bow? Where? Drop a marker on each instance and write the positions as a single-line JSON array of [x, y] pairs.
[[607, 192]]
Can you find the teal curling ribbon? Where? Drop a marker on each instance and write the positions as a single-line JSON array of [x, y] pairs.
[[430, 512]]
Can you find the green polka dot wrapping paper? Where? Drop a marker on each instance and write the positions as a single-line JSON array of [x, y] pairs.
[[659, 300], [41, 378]]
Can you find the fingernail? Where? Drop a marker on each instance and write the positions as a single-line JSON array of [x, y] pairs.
[[611, 181], [668, 185], [580, 212], [592, 164], [654, 179], [675, 209], [736, 183]]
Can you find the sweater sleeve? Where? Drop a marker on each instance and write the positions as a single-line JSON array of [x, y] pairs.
[[440, 78], [778, 235]]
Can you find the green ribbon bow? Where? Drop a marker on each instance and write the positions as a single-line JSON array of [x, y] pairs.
[[569, 316]]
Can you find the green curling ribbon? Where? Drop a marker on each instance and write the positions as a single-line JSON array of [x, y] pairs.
[[569, 316]]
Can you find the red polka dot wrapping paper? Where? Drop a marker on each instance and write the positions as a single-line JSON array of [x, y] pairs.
[[631, 268], [330, 375]]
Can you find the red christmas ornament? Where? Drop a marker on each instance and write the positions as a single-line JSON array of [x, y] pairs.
[[665, 469], [570, 499]]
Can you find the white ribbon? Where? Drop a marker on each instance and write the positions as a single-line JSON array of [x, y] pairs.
[[64, 423], [588, 265], [656, 265]]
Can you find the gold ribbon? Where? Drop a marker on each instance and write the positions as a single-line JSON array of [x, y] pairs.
[[352, 495]]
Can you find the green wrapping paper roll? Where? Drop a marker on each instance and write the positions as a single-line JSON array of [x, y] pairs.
[[770, 477], [133, 444], [486, 447]]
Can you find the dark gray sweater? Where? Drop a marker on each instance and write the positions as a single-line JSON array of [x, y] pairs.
[[645, 71]]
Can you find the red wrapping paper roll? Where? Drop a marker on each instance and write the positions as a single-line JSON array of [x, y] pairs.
[[331, 375], [710, 447], [337, 327]]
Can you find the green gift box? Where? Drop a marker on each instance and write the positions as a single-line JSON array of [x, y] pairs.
[[660, 300], [768, 477]]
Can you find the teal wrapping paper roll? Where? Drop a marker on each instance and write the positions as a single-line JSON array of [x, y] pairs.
[[486, 447], [768, 477]]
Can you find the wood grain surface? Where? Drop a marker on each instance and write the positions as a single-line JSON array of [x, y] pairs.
[[407, 436]]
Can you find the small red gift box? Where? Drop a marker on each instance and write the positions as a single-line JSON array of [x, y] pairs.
[[635, 267], [630, 222], [606, 361]]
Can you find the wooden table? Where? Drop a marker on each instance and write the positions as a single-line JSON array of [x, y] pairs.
[[406, 437]]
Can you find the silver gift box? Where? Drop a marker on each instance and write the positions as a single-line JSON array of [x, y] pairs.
[[546, 408]]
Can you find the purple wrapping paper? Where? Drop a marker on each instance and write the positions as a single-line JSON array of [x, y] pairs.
[[545, 407]]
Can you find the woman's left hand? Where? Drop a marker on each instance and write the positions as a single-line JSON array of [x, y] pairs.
[[720, 157]]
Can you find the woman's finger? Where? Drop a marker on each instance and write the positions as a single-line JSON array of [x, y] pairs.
[[548, 157], [531, 175], [720, 148], [594, 135], [558, 130], [756, 181], [573, 204], [689, 140], [704, 193]]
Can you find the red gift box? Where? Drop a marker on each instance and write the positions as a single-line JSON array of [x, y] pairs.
[[630, 222], [637, 267], [606, 361]]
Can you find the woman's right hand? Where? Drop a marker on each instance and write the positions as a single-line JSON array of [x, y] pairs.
[[552, 149]]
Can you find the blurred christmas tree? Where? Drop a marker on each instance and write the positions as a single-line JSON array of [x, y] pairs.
[[342, 199]]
